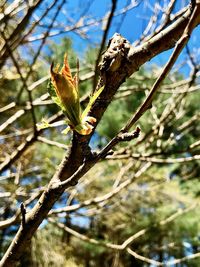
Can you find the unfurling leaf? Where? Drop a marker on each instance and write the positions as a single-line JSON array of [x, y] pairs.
[[64, 91]]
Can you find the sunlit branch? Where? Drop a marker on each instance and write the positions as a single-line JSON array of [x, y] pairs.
[[126, 243]]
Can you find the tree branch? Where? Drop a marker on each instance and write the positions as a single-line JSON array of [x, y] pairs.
[[69, 170]]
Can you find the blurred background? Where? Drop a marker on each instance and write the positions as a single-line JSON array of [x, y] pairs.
[[138, 207]]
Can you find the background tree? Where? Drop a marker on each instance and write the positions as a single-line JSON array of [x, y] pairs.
[[128, 193]]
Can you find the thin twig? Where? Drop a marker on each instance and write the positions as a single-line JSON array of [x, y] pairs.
[[114, 5], [23, 213]]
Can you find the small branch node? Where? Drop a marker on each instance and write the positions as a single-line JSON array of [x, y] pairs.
[[129, 136]]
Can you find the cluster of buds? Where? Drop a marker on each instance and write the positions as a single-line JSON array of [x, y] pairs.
[[65, 93]]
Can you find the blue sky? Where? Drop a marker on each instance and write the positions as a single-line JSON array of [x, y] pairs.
[[133, 25]]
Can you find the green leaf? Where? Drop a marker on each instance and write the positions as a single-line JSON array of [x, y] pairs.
[[53, 95], [43, 125], [66, 130], [92, 100], [71, 110]]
